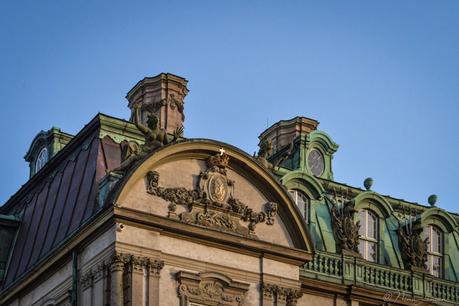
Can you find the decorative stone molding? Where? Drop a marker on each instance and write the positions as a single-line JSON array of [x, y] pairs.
[[87, 280], [212, 203], [346, 230], [284, 295], [413, 247], [210, 287], [269, 290], [136, 263], [154, 266]]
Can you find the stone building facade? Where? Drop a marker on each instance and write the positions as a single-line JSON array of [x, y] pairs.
[[133, 213]]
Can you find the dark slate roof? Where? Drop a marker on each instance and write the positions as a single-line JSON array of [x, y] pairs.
[[59, 199]]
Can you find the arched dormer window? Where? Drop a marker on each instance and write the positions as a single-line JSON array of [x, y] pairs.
[[368, 240], [434, 250], [41, 160], [303, 203]]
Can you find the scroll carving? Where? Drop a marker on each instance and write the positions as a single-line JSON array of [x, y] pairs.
[[414, 248], [289, 296], [209, 287], [212, 204], [346, 230]]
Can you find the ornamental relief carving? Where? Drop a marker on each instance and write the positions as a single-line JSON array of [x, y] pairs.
[[287, 296], [212, 204], [345, 228], [414, 248], [212, 288]]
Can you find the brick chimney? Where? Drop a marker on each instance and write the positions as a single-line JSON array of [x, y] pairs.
[[162, 95]]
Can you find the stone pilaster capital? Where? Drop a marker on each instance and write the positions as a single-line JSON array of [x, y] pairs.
[[154, 266], [118, 261], [87, 279], [269, 290], [100, 271]]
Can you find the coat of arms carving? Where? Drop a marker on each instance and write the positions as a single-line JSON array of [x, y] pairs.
[[212, 203]]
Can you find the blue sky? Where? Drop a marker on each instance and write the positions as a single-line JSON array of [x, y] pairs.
[[382, 77]]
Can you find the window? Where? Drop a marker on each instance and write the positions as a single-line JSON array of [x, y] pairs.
[[41, 159], [302, 201], [434, 250], [368, 240]]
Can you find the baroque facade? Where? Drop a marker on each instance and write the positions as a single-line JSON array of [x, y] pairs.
[[133, 213]]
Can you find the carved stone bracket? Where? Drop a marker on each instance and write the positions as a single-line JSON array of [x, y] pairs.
[[346, 230], [414, 248], [289, 296], [212, 204], [210, 287]]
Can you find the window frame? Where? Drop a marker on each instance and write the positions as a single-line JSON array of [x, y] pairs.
[[365, 240], [431, 254], [41, 160], [306, 209]]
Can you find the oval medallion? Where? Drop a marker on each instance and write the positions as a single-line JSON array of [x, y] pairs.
[[217, 189]]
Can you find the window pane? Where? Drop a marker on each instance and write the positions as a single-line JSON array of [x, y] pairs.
[[436, 266], [372, 225], [362, 247], [436, 240], [302, 201], [372, 254]]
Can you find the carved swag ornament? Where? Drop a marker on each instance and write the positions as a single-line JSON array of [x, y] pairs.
[[210, 288], [212, 204], [346, 230], [414, 248]]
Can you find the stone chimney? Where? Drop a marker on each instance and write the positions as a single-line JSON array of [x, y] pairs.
[[162, 95]]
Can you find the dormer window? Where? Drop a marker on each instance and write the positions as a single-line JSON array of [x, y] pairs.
[[368, 240], [41, 160], [434, 250], [302, 201]]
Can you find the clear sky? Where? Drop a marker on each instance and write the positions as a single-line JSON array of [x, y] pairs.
[[382, 77]]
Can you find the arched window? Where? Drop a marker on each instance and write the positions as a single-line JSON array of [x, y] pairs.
[[368, 240], [302, 201], [434, 250], [41, 160]]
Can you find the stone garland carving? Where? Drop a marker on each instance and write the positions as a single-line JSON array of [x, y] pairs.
[[414, 248], [209, 287], [346, 230], [212, 204], [286, 295]]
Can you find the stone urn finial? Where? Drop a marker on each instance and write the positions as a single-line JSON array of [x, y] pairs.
[[432, 199], [367, 183]]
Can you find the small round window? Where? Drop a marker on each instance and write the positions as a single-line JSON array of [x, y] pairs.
[[41, 160], [316, 162]]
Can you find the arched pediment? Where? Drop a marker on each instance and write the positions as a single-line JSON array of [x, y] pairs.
[[304, 182], [210, 187], [439, 217], [375, 202], [325, 141]]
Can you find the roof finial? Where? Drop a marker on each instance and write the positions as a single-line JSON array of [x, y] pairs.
[[432, 199], [367, 183]]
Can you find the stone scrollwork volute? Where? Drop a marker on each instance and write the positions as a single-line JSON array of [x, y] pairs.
[[345, 228], [212, 204], [213, 288], [414, 248]]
